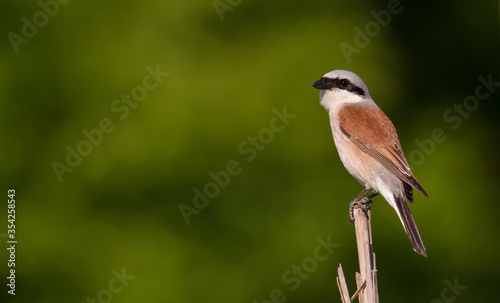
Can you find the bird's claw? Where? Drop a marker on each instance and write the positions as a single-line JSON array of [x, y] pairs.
[[364, 204]]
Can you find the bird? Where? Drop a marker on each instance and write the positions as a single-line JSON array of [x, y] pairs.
[[368, 146]]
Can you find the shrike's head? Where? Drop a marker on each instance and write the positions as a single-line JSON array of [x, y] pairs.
[[340, 87]]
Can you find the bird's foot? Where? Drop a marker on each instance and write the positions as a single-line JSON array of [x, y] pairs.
[[364, 204]]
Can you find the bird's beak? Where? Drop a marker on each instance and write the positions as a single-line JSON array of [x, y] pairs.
[[321, 84]]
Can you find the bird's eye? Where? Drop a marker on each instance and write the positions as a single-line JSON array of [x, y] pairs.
[[344, 83]]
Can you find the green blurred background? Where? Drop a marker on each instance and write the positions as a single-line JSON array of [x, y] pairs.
[[228, 73]]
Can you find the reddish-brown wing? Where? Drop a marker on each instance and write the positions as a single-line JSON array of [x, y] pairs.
[[372, 131]]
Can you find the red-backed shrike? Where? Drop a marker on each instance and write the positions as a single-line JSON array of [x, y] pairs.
[[369, 147]]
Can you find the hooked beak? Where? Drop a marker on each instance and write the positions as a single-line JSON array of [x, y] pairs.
[[321, 84]]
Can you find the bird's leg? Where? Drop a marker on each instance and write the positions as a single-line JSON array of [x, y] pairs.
[[361, 194], [363, 203]]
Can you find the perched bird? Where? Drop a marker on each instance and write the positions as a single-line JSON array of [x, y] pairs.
[[369, 146]]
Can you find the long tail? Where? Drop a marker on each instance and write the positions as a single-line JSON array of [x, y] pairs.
[[409, 225]]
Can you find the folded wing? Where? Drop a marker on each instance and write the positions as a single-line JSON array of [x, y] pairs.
[[372, 131]]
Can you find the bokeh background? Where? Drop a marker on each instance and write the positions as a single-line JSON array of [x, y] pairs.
[[229, 71]]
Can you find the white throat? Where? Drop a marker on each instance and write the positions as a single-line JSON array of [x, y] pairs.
[[332, 100]]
